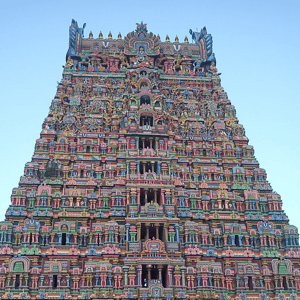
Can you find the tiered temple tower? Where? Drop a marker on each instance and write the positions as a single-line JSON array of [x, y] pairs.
[[143, 185]]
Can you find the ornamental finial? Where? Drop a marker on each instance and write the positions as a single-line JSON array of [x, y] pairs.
[[167, 39], [91, 35], [100, 36], [141, 27], [110, 36]]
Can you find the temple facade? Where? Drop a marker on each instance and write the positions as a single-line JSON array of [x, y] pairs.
[[142, 185]]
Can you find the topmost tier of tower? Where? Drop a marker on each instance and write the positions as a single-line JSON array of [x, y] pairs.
[[142, 43]]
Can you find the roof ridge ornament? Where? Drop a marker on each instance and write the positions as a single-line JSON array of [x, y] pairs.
[[196, 35], [74, 29], [204, 40]]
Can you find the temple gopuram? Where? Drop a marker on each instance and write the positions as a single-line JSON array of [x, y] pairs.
[[142, 185]]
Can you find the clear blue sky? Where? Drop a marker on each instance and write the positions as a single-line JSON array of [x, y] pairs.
[[257, 50]]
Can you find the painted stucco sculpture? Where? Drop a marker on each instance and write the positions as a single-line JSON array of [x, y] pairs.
[[143, 185]]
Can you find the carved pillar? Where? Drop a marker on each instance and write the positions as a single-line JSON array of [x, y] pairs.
[[127, 226], [138, 195], [147, 231], [170, 276], [225, 239], [162, 197], [127, 195], [125, 268], [139, 274], [165, 238], [138, 226], [160, 273], [177, 232], [183, 269], [14, 280], [151, 142], [149, 273]]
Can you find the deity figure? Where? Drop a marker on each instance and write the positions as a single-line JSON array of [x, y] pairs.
[[69, 62], [141, 50]]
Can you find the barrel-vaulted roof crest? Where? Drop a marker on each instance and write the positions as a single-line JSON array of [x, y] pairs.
[[140, 42], [205, 43]]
